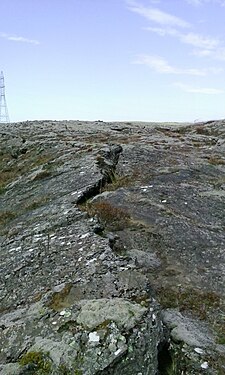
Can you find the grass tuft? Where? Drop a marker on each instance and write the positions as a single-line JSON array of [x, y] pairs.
[[197, 301]]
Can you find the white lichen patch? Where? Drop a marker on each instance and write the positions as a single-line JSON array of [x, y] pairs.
[[117, 352], [93, 337], [84, 235], [65, 313], [204, 365], [153, 317], [199, 350], [91, 261]]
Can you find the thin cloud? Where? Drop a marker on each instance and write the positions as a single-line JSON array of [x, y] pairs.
[[198, 90], [156, 15], [194, 2], [202, 2], [194, 39], [204, 46], [200, 41], [170, 25], [160, 65], [20, 39], [218, 54]]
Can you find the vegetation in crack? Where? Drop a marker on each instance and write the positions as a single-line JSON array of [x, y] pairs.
[[38, 363], [111, 217], [106, 161]]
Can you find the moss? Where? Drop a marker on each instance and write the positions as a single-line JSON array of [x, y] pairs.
[[39, 362], [78, 372], [2, 189], [63, 370], [221, 339], [219, 328]]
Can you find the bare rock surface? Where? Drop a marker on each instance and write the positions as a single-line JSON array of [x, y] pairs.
[[112, 248]]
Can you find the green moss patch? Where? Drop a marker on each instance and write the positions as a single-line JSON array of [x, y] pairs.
[[38, 363]]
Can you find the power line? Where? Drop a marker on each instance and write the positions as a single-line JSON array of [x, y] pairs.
[[4, 115]]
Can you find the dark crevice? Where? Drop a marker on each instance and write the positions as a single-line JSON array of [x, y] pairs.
[[165, 361], [92, 191], [106, 161]]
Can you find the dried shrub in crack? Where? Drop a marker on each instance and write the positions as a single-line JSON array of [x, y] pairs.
[[202, 130], [115, 218], [119, 181], [216, 160], [6, 216], [42, 175], [200, 303], [36, 203]]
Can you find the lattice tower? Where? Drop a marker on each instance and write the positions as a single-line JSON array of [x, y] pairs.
[[4, 115]]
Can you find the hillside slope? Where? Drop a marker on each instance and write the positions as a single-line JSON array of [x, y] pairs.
[[112, 248]]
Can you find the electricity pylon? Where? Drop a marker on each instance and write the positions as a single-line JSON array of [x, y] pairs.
[[4, 115]]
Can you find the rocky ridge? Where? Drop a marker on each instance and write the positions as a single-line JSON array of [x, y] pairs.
[[112, 248]]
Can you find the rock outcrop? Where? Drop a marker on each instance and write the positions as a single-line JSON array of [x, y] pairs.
[[112, 248]]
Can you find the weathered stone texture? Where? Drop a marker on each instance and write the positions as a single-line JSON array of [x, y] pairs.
[[99, 223]]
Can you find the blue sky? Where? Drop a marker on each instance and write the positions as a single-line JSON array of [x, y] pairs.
[[147, 60]]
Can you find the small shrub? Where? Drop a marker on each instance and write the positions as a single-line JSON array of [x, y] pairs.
[[43, 174], [183, 129], [36, 203], [216, 160], [110, 216], [6, 216], [118, 181], [6, 176], [202, 130]]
